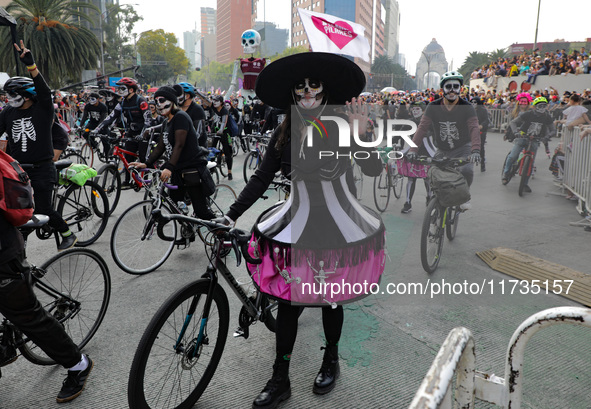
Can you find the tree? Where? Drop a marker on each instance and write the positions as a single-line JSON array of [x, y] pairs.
[[385, 72], [51, 29], [498, 53], [156, 47], [473, 61], [118, 23]]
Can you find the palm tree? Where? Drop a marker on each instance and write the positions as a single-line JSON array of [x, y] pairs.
[[51, 29], [474, 60]]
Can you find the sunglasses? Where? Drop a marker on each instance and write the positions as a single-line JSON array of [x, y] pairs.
[[12, 94], [452, 86], [160, 100]]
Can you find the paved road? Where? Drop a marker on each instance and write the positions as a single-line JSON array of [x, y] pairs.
[[389, 341]]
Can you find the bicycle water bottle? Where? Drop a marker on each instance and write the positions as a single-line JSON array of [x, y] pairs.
[[183, 207]]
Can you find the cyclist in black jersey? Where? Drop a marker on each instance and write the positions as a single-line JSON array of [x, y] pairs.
[[186, 102]]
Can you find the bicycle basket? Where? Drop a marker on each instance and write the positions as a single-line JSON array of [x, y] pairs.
[[449, 185]]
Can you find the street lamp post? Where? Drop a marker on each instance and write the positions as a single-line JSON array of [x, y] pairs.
[[428, 57]]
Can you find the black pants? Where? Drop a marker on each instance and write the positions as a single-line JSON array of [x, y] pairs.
[[19, 304], [287, 326], [226, 140], [198, 198], [482, 142], [43, 179]]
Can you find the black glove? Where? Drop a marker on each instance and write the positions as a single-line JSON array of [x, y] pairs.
[[475, 157], [139, 137], [225, 220], [411, 156], [27, 59]]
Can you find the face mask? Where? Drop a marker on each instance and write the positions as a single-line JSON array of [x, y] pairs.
[[451, 89], [163, 105], [123, 91], [309, 93], [16, 101], [217, 104]]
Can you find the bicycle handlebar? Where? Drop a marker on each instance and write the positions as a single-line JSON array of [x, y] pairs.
[[442, 162], [239, 238]]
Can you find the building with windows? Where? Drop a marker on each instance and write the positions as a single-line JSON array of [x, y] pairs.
[[192, 47], [233, 18], [273, 39], [391, 16], [208, 43], [359, 11]]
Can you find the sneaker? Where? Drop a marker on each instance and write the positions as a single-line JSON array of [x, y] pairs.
[[505, 179], [466, 206], [74, 383], [587, 228], [407, 208], [67, 242], [230, 176], [527, 189]]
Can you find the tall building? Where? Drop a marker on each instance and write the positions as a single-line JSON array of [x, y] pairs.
[[273, 39], [192, 47], [233, 18], [360, 11], [208, 47], [391, 28]]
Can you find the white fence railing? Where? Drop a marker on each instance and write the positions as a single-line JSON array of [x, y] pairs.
[[499, 119], [577, 167], [456, 358]]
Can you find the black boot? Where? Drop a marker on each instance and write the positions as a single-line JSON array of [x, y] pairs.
[[326, 379], [277, 389]]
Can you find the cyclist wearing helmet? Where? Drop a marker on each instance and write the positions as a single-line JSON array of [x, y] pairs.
[[535, 124], [454, 124], [187, 94], [110, 99], [219, 123], [133, 112], [482, 114], [411, 170], [28, 121]]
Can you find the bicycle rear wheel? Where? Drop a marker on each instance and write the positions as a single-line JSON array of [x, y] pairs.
[[397, 181], [251, 164], [453, 219], [110, 180], [87, 153], [74, 156], [525, 172], [135, 244], [381, 190], [432, 236], [74, 286], [171, 369], [235, 145], [85, 209]]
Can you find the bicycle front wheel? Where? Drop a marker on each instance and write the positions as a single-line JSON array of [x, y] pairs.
[[74, 156], [135, 243], [85, 209], [453, 219], [397, 181], [251, 164], [180, 350], [358, 178], [109, 179], [525, 172], [432, 236], [381, 190], [74, 286]]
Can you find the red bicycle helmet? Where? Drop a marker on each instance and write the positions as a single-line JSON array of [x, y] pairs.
[[128, 82]]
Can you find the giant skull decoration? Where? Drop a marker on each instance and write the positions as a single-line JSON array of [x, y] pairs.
[[251, 40]]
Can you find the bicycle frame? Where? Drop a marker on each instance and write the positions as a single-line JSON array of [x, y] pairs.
[[526, 152]]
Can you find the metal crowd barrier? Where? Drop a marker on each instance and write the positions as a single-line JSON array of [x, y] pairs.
[[456, 357], [499, 119], [577, 168]]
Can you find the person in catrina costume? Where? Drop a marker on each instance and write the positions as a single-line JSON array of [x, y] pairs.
[[321, 235]]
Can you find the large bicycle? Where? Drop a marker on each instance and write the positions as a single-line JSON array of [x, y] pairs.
[[139, 245], [74, 286], [181, 348], [524, 166], [388, 180], [254, 158], [438, 220], [83, 208]]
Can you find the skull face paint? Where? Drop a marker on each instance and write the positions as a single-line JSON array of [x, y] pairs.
[[122, 91], [92, 101], [217, 104], [163, 106], [451, 89], [541, 108], [309, 93], [416, 112], [16, 101]]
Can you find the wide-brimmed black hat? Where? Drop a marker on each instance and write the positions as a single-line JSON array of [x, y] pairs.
[[342, 78]]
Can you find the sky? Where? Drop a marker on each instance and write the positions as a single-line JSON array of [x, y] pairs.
[[460, 27]]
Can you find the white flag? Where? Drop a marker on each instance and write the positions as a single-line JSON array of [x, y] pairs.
[[334, 35]]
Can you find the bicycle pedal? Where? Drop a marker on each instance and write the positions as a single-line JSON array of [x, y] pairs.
[[241, 332]]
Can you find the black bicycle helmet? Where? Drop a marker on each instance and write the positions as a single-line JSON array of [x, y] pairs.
[[20, 85]]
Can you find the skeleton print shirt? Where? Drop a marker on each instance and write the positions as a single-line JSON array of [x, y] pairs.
[[451, 129], [95, 114], [29, 130]]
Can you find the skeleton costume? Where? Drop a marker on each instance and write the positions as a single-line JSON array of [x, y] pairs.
[[321, 234]]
